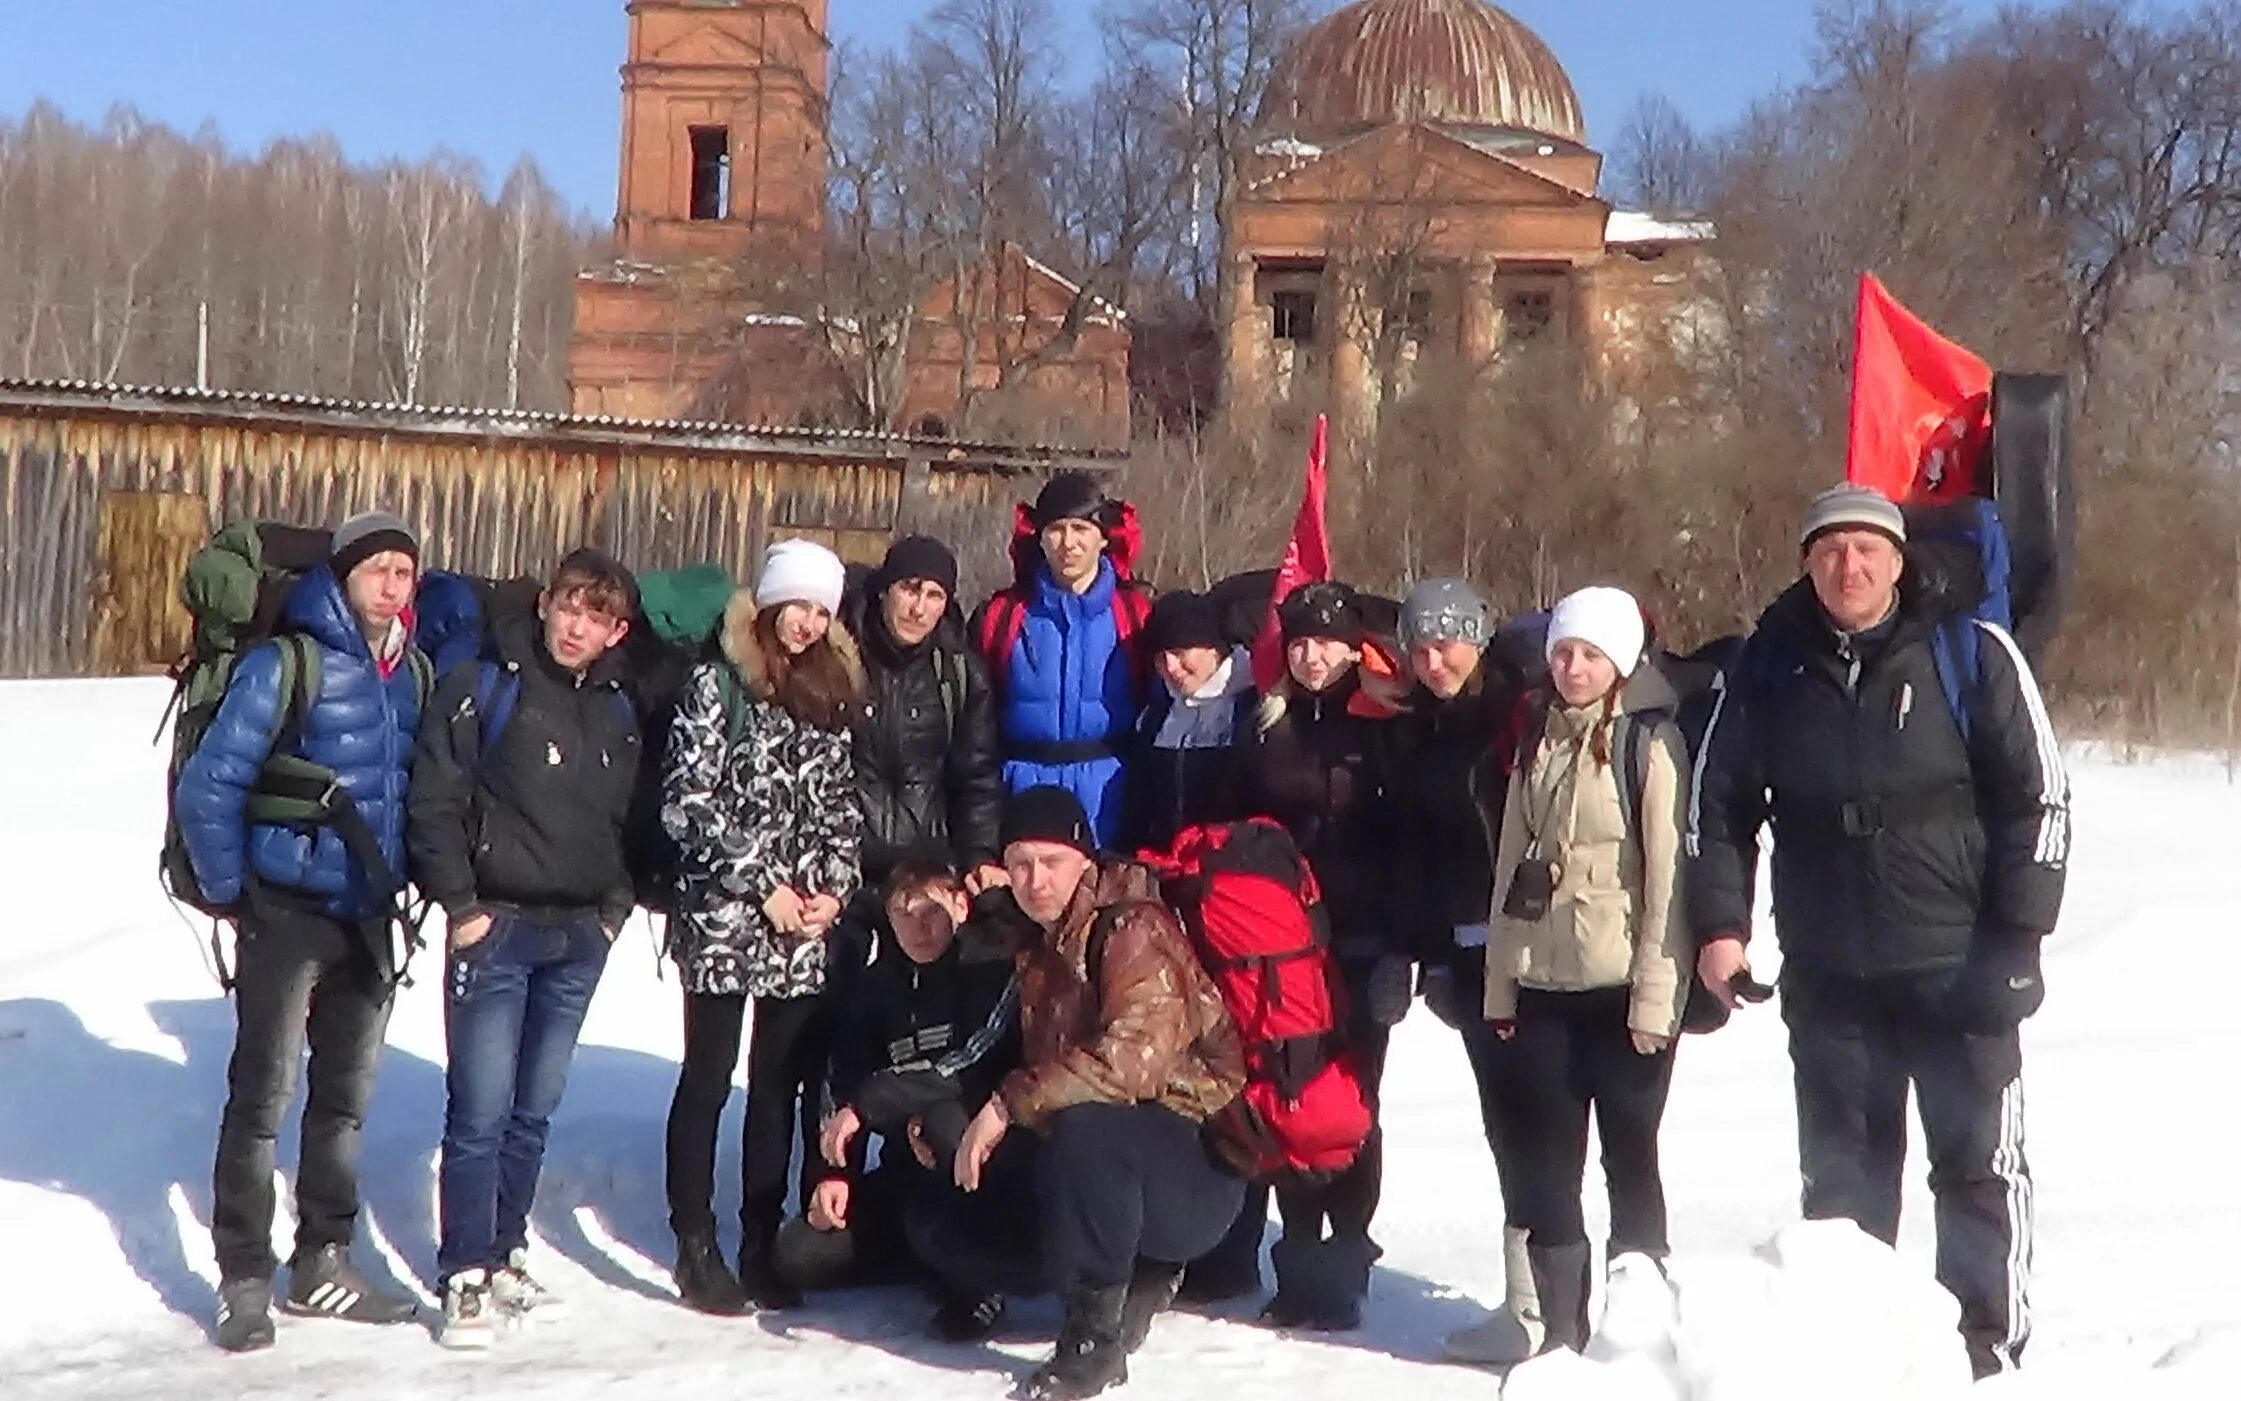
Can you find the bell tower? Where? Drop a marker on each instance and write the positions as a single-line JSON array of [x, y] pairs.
[[724, 161], [724, 149]]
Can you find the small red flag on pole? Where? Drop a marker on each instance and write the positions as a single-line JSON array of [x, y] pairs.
[[1921, 405], [1307, 559]]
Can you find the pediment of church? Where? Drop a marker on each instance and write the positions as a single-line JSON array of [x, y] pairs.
[[1413, 164]]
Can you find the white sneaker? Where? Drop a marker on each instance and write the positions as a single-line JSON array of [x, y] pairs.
[[518, 1293], [470, 1323]]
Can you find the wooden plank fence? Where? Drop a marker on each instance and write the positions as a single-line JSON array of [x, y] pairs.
[[106, 491]]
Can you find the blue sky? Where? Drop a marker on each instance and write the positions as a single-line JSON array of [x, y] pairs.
[[497, 79]]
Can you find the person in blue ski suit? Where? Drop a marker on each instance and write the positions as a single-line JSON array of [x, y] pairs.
[[1064, 646]]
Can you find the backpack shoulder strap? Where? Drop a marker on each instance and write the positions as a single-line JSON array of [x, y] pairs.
[[497, 691], [302, 672], [734, 698], [1632, 735], [949, 675], [1956, 651], [423, 676], [1000, 626]]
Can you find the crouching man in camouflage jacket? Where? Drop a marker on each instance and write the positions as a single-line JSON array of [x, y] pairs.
[[1127, 1051]]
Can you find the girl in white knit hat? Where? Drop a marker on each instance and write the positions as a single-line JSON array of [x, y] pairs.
[[1583, 966], [759, 793]]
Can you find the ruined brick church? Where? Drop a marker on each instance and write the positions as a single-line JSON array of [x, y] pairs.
[[1421, 178]]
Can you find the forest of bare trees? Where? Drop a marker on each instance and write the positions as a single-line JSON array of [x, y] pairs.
[[2058, 186], [130, 253]]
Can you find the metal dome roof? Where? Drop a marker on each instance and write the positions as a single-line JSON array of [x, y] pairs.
[[1460, 62]]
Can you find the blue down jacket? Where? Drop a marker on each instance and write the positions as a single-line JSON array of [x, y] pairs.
[[360, 725], [1071, 681]]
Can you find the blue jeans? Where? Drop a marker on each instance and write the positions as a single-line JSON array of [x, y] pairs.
[[513, 1004]]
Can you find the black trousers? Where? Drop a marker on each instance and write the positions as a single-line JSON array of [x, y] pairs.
[[1572, 1053], [299, 977], [1123, 1182], [1348, 1202], [786, 1055], [1856, 1048], [1112, 1184], [1488, 1055]]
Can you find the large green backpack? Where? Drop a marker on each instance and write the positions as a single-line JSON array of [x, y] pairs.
[[235, 588]]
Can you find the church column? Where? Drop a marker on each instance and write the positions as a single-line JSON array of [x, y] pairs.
[[1479, 321], [1244, 387], [1352, 412]]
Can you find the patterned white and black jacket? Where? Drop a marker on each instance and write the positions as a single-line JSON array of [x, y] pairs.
[[777, 807]]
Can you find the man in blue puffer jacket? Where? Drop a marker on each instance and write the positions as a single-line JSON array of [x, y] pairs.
[[1064, 647], [314, 924]]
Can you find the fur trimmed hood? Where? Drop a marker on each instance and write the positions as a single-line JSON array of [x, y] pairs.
[[745, 650]]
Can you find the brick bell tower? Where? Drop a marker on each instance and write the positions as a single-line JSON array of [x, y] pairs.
[[724, 162]]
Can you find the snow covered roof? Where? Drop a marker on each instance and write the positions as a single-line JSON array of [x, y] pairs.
[[1099, 304], [1633, 226], [688, 435]]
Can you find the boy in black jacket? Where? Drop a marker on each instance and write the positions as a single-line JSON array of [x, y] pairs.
[[930, 1028], [521, 791]]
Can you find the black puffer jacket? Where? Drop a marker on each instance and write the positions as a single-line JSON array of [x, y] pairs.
[[1317, 764], [1444, 792], [1896, 840], [929, 1041], [926, 756], [538, 823]]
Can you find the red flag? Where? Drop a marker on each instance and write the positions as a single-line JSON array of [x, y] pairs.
[[1307, 560], [1921, 405]]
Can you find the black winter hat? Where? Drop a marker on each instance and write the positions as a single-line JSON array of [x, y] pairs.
[[363, 536], [1047, 814], [1071, 496], [1184, 619], [1322, 610], [917, 557]]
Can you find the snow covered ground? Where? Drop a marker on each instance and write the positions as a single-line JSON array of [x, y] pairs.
[[112, 1056]]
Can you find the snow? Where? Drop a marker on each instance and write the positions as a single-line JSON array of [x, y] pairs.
[[113, 1043], [1632, 226]]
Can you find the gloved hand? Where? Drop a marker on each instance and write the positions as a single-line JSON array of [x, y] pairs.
[[2000, 983], [1446, 999], [1386, 990]]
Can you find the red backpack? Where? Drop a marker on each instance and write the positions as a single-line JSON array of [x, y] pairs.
[[1256, 922]]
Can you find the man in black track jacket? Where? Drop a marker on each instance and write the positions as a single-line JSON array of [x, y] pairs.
[[1920, 845], [522, 787]]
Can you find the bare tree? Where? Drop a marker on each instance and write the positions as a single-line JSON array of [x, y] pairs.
[[1659, 163]]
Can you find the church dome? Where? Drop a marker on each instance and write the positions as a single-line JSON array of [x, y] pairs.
[[1453, 62]]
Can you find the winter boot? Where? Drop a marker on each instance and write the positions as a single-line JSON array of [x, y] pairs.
[[1302, 1282], [245, 1315], [519, 1294], [1150, 1293], [1346, 1271], [1512, 1333], [759, 1277], [324, 1284], [703, 1281], [470, 1312], [967, 1315], [1089, 1357], [1561, 1277]]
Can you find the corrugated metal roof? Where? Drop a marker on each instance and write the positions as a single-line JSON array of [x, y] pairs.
[[460, 420], [1461, 61]]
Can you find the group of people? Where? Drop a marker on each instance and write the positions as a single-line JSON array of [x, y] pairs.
[[901, 885]]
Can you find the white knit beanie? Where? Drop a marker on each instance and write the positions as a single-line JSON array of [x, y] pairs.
[[1608, 619], [801, 571]]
